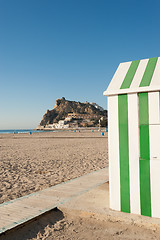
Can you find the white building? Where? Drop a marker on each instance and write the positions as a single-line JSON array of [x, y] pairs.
[[61, 124]]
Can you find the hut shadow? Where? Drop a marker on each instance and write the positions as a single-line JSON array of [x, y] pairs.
[[34, 227]]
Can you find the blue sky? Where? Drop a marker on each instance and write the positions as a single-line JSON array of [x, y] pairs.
[[67, 48]]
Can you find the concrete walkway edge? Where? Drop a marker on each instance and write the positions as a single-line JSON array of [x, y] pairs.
[[21, 210]]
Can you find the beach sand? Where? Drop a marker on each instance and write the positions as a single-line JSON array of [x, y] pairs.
[[75, 225], [31, 163]]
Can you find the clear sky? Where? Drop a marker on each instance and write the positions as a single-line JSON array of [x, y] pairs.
[[68, 48]]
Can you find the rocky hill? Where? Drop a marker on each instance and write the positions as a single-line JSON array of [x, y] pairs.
[[63, 107]]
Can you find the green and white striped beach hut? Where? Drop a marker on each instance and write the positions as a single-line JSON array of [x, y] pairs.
[[134, 137]]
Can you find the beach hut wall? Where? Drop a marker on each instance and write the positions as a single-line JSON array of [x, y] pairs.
[[134, 136]]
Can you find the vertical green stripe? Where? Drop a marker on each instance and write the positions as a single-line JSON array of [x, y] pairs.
[[144, 162], [130, 74], [143, 108], [124, 153], [145, 194], [144, 126], [147, 76]]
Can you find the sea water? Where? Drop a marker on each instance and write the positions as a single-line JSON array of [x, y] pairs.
[[18, 131]]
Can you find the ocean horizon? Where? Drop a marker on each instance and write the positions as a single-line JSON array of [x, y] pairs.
[[17, 131]]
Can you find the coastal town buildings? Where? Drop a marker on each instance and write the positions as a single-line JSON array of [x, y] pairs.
[[75, 120]]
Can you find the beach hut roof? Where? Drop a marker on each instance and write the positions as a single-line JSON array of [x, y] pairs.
[[135, 76]]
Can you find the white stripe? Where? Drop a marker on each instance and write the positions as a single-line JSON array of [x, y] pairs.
[[153, 102], [133, 133], [155, 81], [154, 136], [155, 187], [139, 74], [119, 76], [113, 142]]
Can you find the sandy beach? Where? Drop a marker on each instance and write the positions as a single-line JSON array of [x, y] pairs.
[[58, 225], [30, 163]]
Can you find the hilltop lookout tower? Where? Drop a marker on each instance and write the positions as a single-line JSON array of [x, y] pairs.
[[134, 137]]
